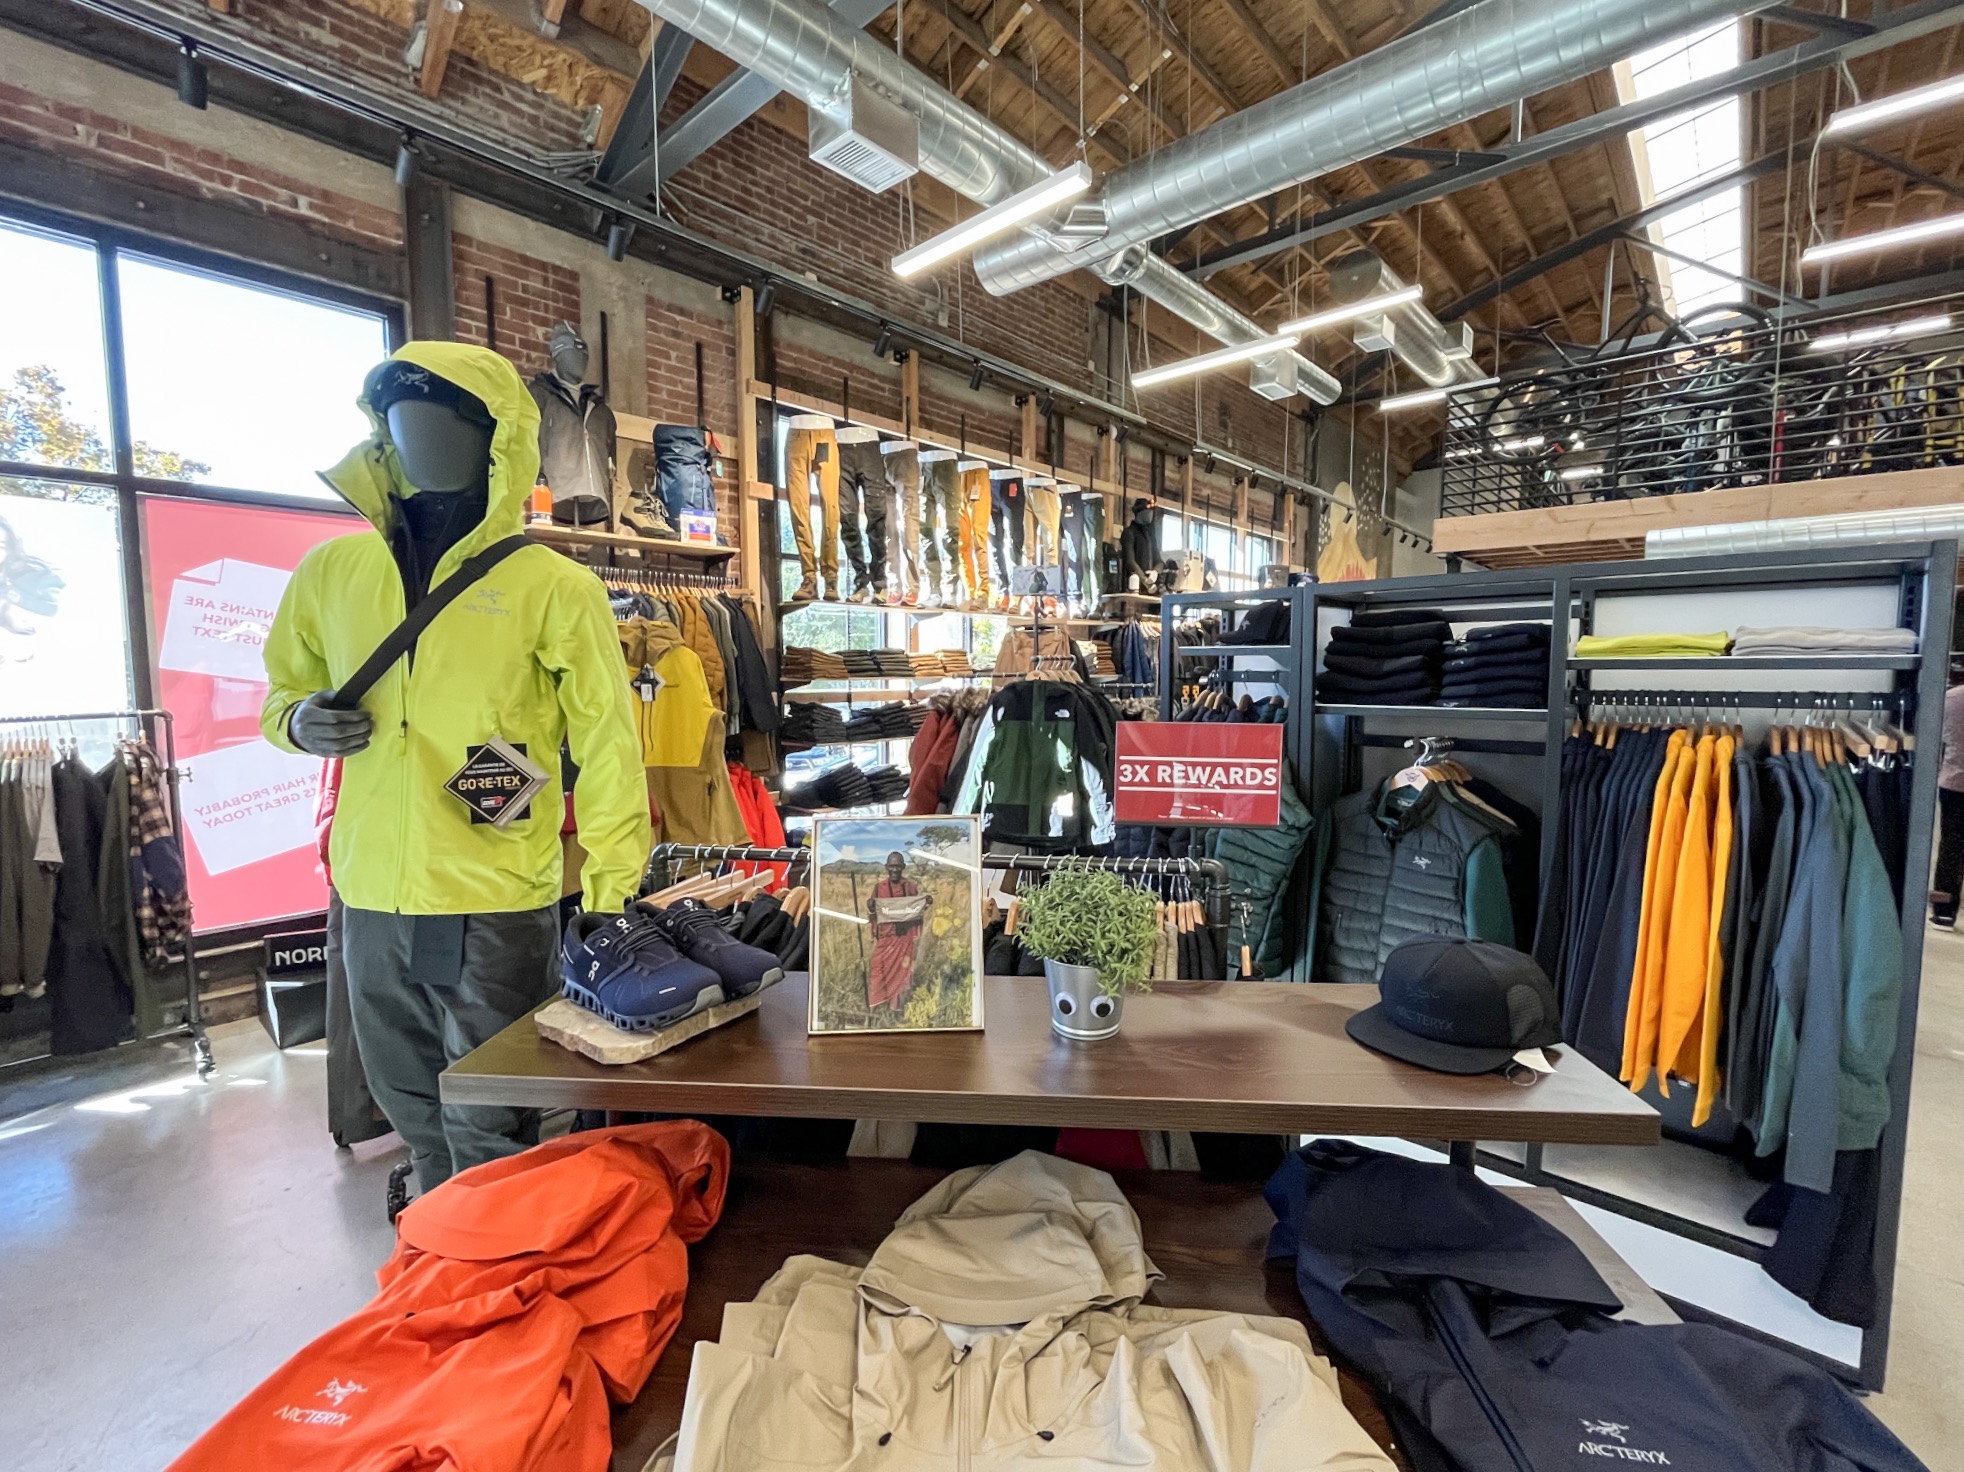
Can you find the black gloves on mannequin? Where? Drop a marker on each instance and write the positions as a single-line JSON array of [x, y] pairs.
[[320, 730]]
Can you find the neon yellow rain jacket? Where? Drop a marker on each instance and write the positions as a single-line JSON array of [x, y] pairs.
[[529, 654]]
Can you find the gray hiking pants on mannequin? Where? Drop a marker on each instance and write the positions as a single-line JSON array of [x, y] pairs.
[[425, 990]]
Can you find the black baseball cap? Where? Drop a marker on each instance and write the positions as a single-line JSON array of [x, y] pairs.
[[1459, 1006], [396, 379]]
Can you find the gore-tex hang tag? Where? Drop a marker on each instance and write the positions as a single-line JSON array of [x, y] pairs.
[[497, 782], [822, 453]]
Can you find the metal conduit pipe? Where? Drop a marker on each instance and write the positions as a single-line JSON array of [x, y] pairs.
[[806, 49], [1416, 338], [1802, 533], [1452, 71]]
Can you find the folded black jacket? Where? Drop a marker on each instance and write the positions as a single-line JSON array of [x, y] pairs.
[[1488, 1334], [1495, 632], [1355, 664], [1402, 649], [1353, 633], [1524, 661], [1384, 618], [1497, 648], [1397, 692]]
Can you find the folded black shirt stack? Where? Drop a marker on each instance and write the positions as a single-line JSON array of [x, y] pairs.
[[1388, 657], [1498, 665], [847, 786], [823, 725]]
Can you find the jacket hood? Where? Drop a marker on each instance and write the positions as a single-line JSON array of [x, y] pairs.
[[370, 476], [1375, 1228], [1008, 1243]]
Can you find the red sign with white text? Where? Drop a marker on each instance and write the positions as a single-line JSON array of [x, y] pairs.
[[1172, 773], [216, 571]]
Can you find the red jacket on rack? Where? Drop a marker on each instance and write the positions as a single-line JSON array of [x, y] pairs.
[[522, 1296], [932, 753]]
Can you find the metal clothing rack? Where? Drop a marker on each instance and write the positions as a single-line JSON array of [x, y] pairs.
[[193, 1025], [1923, 575]]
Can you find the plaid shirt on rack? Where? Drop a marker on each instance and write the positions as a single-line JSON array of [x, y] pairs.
[[160, 899]]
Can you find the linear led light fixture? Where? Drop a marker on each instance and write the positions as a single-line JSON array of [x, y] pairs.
[[1370, 306], [1855, 245], [1862, 337], [1582, 472], [1901, 105], [1418, 398], [1261, 347], [998, 219]]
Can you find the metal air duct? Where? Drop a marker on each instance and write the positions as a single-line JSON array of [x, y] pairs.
[[1452, 71], [1412, 334], [1804, 533], [810, 52]]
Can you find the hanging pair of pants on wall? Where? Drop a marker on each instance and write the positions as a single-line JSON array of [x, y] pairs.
[[1046, 512], [941, 513], [1006, 523], [863, 497], [811, 460], [1091, 518], [975, 530], [903, 473], [1070, 541]]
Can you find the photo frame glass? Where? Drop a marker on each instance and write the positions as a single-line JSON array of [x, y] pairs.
[[896, 925]]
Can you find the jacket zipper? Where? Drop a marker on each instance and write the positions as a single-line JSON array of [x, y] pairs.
[[962, 1458], [1501, 1429]]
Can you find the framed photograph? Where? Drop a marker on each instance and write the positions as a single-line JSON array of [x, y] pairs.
[[897, 925]]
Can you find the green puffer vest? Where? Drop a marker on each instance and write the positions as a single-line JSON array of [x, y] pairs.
[[1382, 888]]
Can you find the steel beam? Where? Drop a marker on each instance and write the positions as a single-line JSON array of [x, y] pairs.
[[1903, 167], [1644, 242], [1906, 23], [665, 60], [627, 168]]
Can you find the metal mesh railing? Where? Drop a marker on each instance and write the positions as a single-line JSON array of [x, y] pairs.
[[1729, 397]]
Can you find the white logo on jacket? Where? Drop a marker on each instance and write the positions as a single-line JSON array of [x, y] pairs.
[[339, 1390], [1615, 1447], [1421, 862]]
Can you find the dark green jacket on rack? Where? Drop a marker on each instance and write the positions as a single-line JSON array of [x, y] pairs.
[[1261, 863]]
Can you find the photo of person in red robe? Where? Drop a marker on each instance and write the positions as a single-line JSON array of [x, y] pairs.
[[898, 912]]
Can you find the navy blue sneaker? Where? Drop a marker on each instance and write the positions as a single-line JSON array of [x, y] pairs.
[[622, 967], [697, 932]]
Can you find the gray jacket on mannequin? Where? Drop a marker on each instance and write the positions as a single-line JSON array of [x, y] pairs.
[[576, 449]]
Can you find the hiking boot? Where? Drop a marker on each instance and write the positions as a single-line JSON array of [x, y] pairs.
[[807, 592], [697, 931], [624, 968]]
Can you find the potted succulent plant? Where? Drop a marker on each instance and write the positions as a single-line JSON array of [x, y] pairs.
[[1095, 935]]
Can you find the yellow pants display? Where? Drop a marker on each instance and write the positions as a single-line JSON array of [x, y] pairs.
[[974, 531], [809, 454]]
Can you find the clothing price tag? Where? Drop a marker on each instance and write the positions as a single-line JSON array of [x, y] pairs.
[[497, 782]]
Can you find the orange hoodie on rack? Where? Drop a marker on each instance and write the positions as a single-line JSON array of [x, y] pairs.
[[522, 1296]]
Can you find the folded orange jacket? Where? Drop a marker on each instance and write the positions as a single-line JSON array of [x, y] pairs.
[[522, 1296]]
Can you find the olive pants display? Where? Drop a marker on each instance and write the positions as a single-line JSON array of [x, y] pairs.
[[1046, 516], [813, 454], [903, 469], [863, 497], [424, 990], [941, 511]]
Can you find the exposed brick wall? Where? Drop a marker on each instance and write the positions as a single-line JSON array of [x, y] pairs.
[[352, 40], [530, 296], [106, 144]]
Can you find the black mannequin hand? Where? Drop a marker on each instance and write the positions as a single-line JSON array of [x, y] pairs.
[[319, 730]]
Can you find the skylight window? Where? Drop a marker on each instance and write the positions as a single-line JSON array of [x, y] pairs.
[[1684, 151]]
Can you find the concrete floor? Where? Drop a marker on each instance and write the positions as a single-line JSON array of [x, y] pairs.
[[165, 1242]]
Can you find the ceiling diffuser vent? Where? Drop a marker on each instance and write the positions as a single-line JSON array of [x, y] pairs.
[[869, 138]]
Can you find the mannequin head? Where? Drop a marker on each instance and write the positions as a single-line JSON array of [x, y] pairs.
[[1142, 512], [569, 355], [442, 449]]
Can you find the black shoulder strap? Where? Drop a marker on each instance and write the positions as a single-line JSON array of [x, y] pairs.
[[403, 637]]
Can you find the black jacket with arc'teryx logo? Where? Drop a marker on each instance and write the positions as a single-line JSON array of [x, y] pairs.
[[1489, 1335]]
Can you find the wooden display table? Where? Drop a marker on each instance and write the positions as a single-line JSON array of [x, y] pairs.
[[1208, 1237], [1193, 1055]]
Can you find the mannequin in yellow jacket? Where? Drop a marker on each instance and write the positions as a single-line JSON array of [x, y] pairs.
[[451, 920]]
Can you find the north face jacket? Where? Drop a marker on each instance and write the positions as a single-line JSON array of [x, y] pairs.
[[1489, 1336], [524, 1296], [528, 654], [1000, 1326]]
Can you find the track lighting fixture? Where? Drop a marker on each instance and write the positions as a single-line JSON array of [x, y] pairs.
[[193, 82], [1208, 464], [1046, 405], [406, 162], [975, 378], [883, 341], [618, 235], [766, 298]]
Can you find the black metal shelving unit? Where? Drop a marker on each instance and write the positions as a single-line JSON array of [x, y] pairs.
[[1924, 575]]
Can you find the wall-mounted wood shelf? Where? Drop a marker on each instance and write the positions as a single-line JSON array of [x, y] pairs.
[[623, 542]]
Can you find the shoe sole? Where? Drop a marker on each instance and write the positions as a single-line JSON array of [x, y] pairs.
[[709, 996]]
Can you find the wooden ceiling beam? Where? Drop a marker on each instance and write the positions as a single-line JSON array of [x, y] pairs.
[[439, 39], [1099, 56], [1916, 132]]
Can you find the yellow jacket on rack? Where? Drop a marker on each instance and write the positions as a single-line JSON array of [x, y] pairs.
[[681, 733], [528, 654]]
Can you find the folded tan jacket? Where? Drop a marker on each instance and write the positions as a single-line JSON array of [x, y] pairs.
[[1000, 1326]]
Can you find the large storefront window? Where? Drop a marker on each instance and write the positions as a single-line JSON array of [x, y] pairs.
[[223, 395]]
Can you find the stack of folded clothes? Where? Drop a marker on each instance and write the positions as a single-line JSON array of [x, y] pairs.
[[847, 786], [1651, 646], [1389, 657], [1498, 665], [800, 666], [895, 722], [813, 724], [1802, 641], [929, 667], [877, 664]]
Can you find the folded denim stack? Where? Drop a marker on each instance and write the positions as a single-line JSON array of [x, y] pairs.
[[1799, 642], [1389, 657], [1498, 665], [847, 786]]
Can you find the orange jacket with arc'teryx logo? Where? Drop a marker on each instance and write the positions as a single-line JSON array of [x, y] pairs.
[[522, 1296]]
